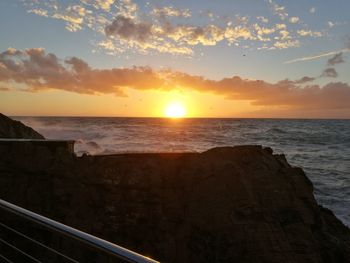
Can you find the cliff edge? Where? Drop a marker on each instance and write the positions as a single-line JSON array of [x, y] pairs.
[[11, 129]]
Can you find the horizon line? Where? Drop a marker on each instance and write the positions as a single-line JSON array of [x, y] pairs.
[[154, 117]]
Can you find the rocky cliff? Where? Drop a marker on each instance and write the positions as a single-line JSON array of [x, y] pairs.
[[231, 204], [11, 129]]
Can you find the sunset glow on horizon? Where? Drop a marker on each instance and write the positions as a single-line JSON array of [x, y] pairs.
[[267, 59], [175, 110]]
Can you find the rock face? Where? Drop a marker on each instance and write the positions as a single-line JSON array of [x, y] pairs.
[[11, 129], [230, 204]]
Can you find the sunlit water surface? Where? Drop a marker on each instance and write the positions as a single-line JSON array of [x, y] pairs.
[[320, 147]]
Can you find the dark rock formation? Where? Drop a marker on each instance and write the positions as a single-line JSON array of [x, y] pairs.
[[11, 129], [231, 204], [29, 155]]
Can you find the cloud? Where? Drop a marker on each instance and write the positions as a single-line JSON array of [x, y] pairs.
[[284, 35], [129, 31], [73, 15], [330, 73], [287, 44], [308, 58], [165, 37], [4, 89], [336, 59], [304, 80], [103, 4], [171, 11], [312, 10], [193, 35], [304, 33], [263, 19], [36, 71], [234, 33], [39, 12], [127, 28], [120, 26], [283, 93], [330, 24], [294, 20], [278, 10], [126, 8], [347, 43]]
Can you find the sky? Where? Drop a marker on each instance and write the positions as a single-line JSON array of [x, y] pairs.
[[224, 58]]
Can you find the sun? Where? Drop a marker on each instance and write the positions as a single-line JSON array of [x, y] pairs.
[[175, 110]]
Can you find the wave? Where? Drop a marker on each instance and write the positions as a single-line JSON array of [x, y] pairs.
[[276, 130]]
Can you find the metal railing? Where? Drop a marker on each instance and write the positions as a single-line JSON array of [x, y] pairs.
[[99, 244]]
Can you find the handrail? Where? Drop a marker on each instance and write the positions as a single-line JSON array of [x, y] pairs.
[[38, 243], [19, 251], [96, 242]]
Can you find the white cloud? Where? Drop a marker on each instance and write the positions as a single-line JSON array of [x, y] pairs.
[[330, 24], [264, 30], [263, 19], [281, 26], [284, 34], [294, 19], [304, 33], [171, 11], [233, 34], [279, 10], [287, 44], [122, 27], [104, 4], [39, 12]]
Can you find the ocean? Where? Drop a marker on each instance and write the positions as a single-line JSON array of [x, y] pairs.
[[320, 147]]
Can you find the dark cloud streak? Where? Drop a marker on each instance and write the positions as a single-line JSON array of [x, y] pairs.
[[127, 28], [330, 73], [304, 80], [336, 59]]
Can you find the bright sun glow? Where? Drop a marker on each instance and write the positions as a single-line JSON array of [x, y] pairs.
[[175, 110]]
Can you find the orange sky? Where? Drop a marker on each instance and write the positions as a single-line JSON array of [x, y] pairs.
[[133, 58]]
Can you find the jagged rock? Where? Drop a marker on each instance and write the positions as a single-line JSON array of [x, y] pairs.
[[230, 204], [11, 129]]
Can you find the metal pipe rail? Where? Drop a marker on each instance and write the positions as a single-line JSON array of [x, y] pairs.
[[100, 244]]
